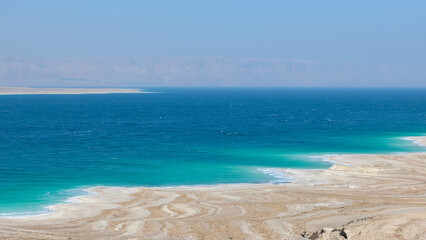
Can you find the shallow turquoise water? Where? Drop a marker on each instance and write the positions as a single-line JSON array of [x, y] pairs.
[[54, 144]]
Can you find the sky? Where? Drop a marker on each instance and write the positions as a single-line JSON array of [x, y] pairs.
[[360, 32]]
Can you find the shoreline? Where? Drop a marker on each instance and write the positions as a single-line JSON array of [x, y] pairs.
[[273, 172], [46, 91], [360, 195]]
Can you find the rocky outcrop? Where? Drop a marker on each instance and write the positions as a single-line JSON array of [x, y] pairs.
[[327, 234]]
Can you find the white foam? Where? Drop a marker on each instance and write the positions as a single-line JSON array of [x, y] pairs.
[[25, 214], [328, 158], [415, 141], [76, 193], [276, 173]]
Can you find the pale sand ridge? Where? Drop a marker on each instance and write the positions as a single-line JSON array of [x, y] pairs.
[[364, 197], [24, 90]]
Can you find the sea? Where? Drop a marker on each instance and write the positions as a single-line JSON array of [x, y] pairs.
[[53, 147]]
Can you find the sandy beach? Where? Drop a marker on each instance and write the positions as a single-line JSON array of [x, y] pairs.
[[25, 90], [359, 197]]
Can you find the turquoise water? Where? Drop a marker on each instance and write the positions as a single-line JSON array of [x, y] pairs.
[[53, 145]]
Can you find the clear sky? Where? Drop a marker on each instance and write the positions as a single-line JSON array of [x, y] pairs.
[[380, 31]]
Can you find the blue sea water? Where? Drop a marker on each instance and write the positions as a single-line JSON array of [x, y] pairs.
[[53, 145]]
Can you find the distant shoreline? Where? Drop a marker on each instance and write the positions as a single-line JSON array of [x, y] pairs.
[[27, 90]]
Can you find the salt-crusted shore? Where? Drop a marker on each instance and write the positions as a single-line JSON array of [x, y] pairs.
[[24, 90], [417, 140], [363, 197]]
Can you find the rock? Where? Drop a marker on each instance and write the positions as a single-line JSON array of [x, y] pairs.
[[327, 234]]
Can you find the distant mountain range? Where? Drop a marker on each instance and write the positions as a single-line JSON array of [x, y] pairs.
[[208, 71]]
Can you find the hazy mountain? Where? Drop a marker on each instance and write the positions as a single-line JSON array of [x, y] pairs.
[[201, 72]]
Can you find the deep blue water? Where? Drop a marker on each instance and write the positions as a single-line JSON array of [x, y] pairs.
[[50, 144]]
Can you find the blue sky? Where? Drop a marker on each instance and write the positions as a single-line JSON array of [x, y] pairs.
[[388, 32]]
